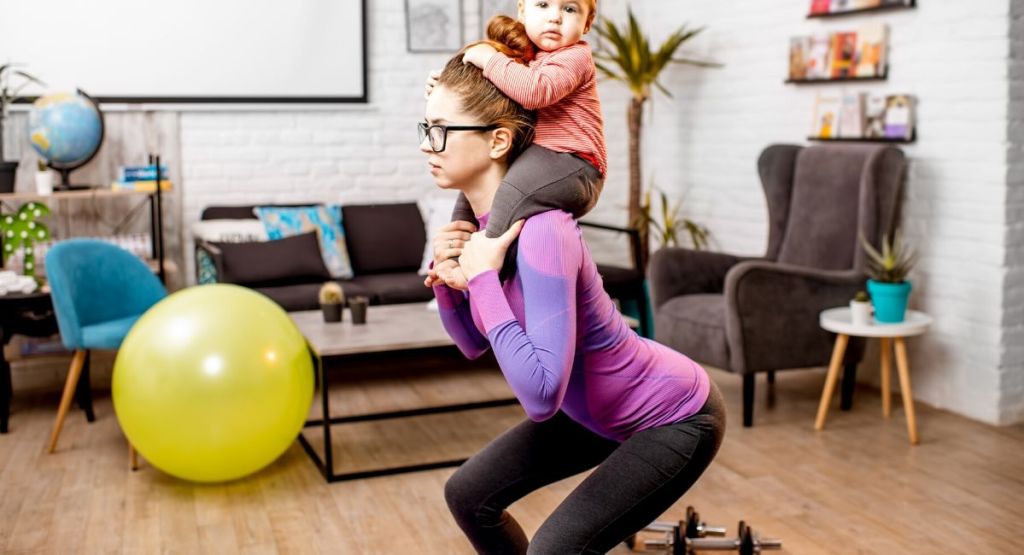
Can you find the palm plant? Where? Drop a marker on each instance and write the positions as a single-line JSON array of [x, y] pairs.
[[670, 227], [8, 92], [626, 55], [22, 230]]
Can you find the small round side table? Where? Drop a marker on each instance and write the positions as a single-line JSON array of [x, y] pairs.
[[838, 320]]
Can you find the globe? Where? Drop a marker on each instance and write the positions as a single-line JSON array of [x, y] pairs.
[[66, 129]]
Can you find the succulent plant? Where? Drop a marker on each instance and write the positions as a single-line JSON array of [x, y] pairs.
[[893, 263], [331, 293], [861, 297]]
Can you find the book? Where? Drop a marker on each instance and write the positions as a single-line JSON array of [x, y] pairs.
[[820, 6], [844, 46], [851, 115], [817, 59], [798, 52], [870, 57], [826, 117], [141, 186], [866, 4], [874, 116], [140, 173], [899, 116], [841, 6]]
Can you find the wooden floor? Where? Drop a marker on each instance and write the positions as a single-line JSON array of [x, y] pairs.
[[857, 487]]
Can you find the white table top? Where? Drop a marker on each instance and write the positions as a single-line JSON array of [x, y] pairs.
[[838, 320], [388, 328]]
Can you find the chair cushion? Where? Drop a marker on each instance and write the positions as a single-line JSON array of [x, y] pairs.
[[384, 238], [279, 262], [695, 326], [282, 221], [107, 335]]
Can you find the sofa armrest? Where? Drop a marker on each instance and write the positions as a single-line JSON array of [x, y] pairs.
[[676, 271], [215, 254], [772, 313]]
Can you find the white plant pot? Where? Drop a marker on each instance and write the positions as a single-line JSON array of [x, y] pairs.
[[44, 183], [860, 313]]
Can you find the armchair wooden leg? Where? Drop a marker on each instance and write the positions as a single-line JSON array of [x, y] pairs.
[[886, 348], [77, 361], [830, 381], [903, 368], [83, 390], [748, 400]]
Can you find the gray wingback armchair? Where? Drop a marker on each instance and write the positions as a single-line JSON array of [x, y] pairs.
[[749, 315]]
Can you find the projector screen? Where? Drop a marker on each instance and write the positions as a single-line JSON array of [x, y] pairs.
[[191, 51]]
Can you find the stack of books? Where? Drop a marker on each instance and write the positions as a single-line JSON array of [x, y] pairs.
[[854, 115], [141, 178], [860, 53]]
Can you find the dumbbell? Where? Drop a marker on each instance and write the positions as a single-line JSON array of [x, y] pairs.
[[674, 534], [746, 543]]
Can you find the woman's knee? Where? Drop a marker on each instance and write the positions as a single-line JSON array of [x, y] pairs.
[[466, 500]]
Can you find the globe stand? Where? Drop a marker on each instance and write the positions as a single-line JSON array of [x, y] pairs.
[[66, 182]]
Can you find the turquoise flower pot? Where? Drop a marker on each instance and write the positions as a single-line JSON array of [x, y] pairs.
[[889, 299]]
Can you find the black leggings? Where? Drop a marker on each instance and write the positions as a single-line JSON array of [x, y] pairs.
[[634, 483]]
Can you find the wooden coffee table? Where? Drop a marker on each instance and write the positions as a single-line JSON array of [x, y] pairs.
[[389, 328]]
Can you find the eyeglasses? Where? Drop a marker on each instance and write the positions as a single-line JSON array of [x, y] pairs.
[[438, 134]]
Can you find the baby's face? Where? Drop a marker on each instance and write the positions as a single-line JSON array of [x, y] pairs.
[[554, 24]]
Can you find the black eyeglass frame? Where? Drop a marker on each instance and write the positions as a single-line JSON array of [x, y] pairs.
[[424, 132]]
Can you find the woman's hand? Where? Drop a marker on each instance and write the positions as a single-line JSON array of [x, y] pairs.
[[447, 273], [431, 82], [478, 55], [482, 253], [450, 240]]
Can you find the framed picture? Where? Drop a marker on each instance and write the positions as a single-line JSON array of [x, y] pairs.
[[491, 8], [433, 25]]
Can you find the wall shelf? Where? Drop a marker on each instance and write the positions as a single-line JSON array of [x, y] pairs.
[[910, 6], [881, 77], [912, 139]]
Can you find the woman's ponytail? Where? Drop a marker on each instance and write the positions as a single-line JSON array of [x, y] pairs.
[[509, 36]]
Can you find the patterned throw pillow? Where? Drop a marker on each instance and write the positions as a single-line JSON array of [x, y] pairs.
[[206, 268], [282, 221]]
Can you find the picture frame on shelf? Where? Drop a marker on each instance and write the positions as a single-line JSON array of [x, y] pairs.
[[433, 26], [838, 8]]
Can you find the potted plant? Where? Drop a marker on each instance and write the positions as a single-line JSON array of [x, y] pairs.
[[860, 309], [332, 298], [888, 269], [626, 55], [8, 92], [44, 178], [671, 224]]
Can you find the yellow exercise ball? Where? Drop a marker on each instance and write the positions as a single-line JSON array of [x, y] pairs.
[[213, 383]]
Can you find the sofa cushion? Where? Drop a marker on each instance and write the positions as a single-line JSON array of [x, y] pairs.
[[294, 297], [695, 326], [391, 288], [283, 221], [384, 238], [278, 262], [229, 231]]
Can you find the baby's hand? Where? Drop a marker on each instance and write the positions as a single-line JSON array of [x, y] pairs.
[[431, 82], [478, 55]]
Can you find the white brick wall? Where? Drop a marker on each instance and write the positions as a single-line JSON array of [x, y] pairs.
[[965, 196], [960, 208]]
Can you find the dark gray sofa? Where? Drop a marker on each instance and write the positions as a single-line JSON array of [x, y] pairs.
[[385, 245]]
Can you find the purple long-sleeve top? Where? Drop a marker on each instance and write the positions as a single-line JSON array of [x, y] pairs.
[[561, 342]]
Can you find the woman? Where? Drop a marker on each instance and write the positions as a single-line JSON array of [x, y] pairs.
[[596, 394]]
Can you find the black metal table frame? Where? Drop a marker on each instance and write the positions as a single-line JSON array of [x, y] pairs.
[[326, 464]]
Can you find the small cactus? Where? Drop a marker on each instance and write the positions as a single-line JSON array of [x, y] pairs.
[[331, 293], [861, 297]]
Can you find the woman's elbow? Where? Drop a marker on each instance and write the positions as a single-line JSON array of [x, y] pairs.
[[472, 352], [541, 411]]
